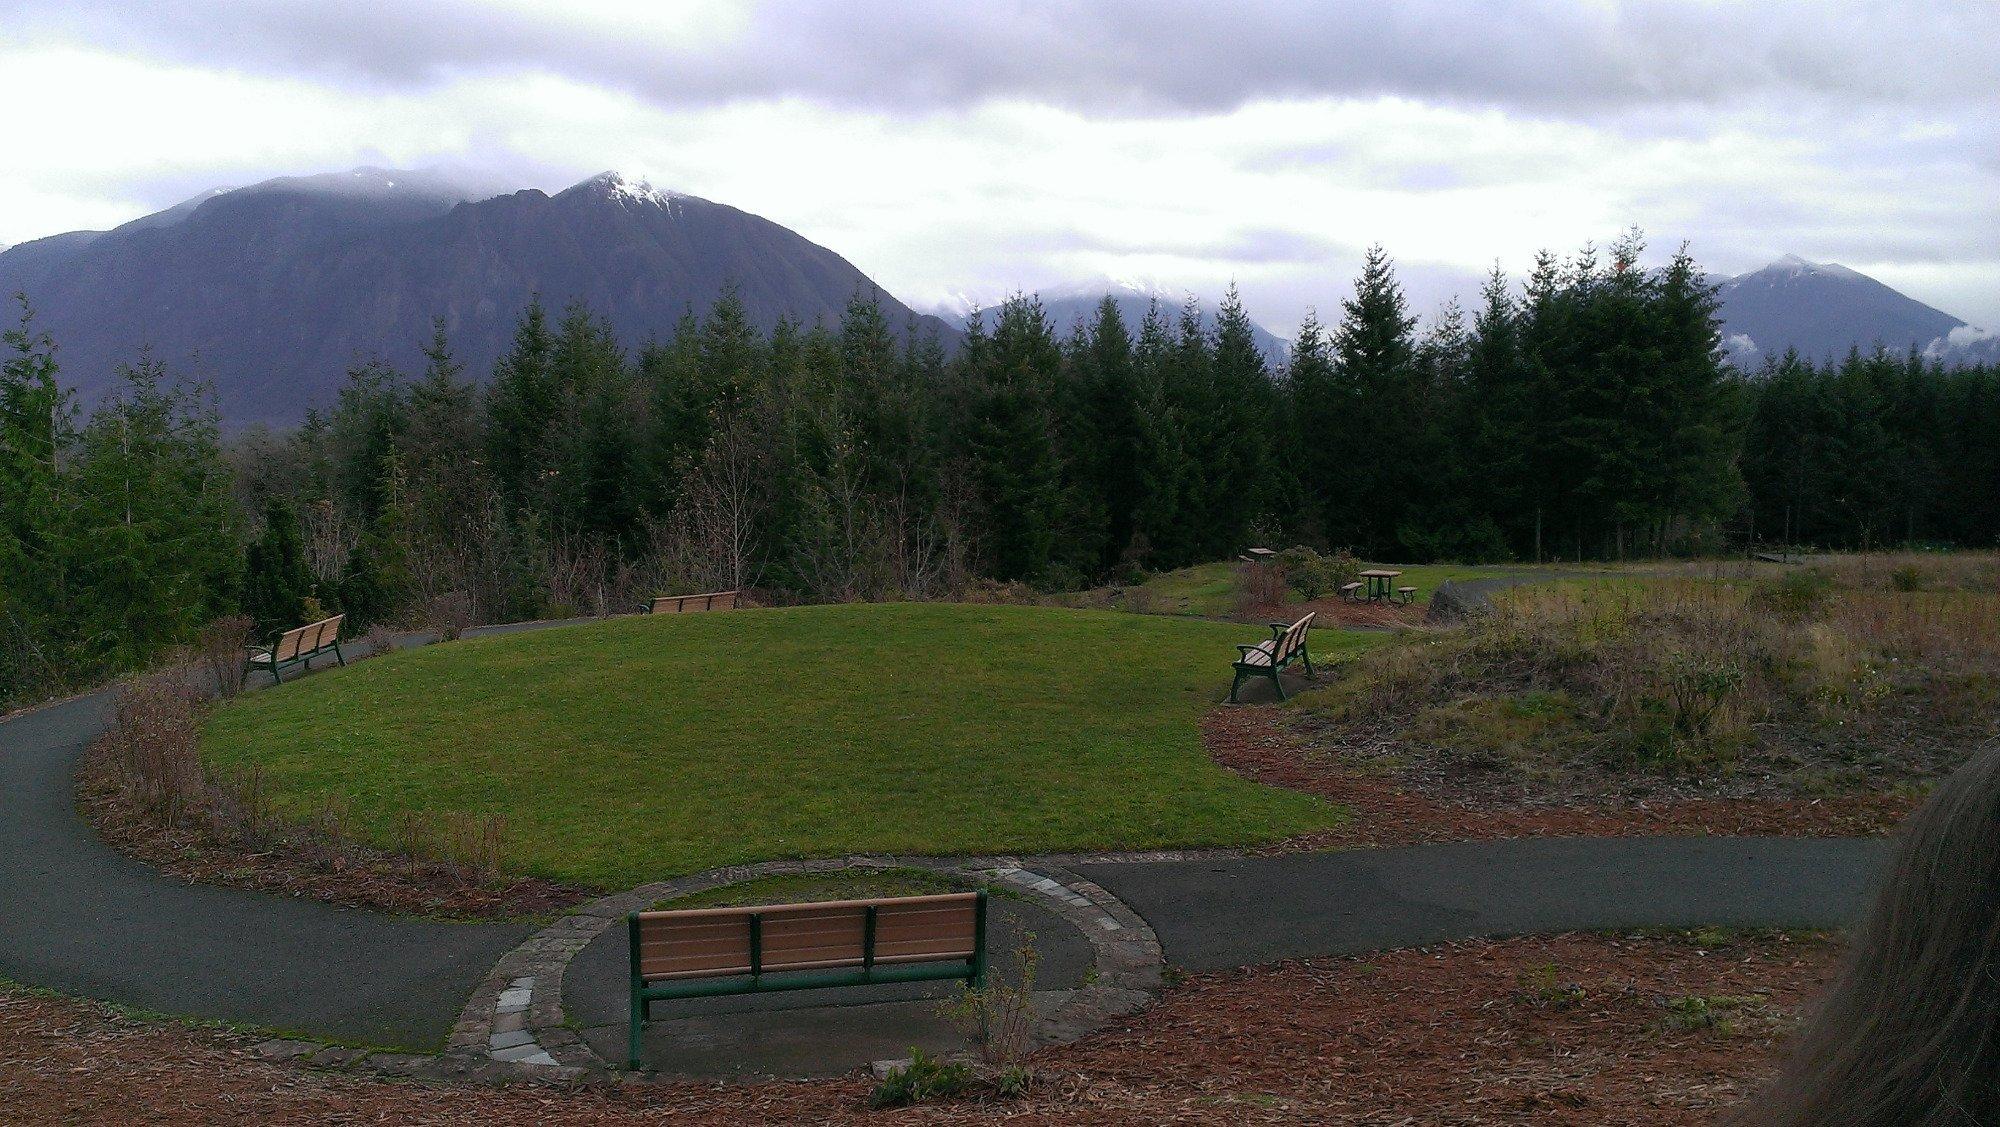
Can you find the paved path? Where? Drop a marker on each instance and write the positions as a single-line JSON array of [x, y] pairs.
[[1231, 912], [81, 918]]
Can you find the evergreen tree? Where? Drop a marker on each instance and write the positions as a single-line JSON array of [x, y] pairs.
[[1376, 359], [521, 405], [276, 582], [155, 520], [36, 424], [1009, 441]]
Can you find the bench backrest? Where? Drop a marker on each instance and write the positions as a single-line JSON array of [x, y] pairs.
[[305, 639], [716, 942], [686, 604], [1294, 637]]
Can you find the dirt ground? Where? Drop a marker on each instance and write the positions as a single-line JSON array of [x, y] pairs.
[[1576, 1029], [1262, 744]]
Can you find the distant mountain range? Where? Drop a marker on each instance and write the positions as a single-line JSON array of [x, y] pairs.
[[1823, 309], [1065, 306], [273, 291]]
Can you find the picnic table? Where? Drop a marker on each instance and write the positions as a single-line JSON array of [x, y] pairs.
[[1381, 583]]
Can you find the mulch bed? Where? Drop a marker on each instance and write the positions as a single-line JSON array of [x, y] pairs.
[[1336, 612], [1262, 744], [346, 873], [1564, 1030]]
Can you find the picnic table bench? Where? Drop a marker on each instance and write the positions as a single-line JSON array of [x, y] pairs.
[[709, 952], [688, 604], [299, 644], [1269, 658], [1378, 579]]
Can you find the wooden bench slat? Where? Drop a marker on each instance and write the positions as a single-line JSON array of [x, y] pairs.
[[300, 643], [819, 945]]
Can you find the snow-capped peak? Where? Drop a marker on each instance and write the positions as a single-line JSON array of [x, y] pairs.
[[1791, 265], [628, 189]]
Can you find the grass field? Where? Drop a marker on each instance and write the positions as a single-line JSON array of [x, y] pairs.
[[641, 748]]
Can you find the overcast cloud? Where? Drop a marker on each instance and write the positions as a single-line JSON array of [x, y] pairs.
[[968, 149]]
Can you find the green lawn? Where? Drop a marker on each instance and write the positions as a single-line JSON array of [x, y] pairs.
[[1209, 590], [642, 748]]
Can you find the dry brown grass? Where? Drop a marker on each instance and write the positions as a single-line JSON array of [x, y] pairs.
[[1794, 681]]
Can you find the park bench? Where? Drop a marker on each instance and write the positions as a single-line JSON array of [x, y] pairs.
[[1268, 659], [710, 952], [299, 644], [1351, 591], [1406, 595], [688, 604]]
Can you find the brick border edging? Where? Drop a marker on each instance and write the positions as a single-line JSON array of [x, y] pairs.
[[1127, 967]]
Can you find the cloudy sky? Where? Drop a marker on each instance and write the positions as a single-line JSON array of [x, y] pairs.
[[959, 149]]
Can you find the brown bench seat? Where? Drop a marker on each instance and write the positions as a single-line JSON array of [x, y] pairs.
[[688, 604], [705, 952]]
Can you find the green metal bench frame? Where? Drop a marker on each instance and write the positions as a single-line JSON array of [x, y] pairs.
[[971, 970], [1278, 661]]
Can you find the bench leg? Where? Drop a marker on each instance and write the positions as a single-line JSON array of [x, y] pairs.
[[1235, 685], [1278, 682], [276, 677], [1306, 656], [336, 653]]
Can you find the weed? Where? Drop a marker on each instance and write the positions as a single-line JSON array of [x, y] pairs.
[[997, 1017], [1542, 988], [1796, 595], [1716, 1013], [925, 1078]]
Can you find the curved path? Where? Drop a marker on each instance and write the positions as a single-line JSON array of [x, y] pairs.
[[78, 917]]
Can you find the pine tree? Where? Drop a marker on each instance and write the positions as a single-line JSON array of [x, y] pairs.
[[37, 422], [1009, 441], [155, 511], [276, 583], [521, 406], [1376, 360]]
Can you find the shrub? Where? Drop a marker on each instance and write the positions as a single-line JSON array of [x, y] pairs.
[[923, 1079], [1909, 577], [1315, 576], [1796, 595], [997, 1017], [449, 615], [220, 650], [154, 747]]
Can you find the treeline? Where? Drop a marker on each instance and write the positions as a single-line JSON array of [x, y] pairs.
[[1584, 413], [1875, 450]]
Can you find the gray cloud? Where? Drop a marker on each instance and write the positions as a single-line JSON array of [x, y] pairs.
[[1116, 57]]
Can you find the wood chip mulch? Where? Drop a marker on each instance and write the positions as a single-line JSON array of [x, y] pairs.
[[1260, 744], [1562, 1030]]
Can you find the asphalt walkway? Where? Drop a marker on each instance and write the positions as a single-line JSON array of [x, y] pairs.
[[1213, 914], [78, 917]]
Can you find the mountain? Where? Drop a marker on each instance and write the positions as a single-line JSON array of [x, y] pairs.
[[1068, 305], [271, 292], [1822, 309]]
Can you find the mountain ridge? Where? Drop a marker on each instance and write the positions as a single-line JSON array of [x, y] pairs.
[[272, 291]]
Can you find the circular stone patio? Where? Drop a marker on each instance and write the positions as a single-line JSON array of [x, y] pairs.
[[560, 1001]]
